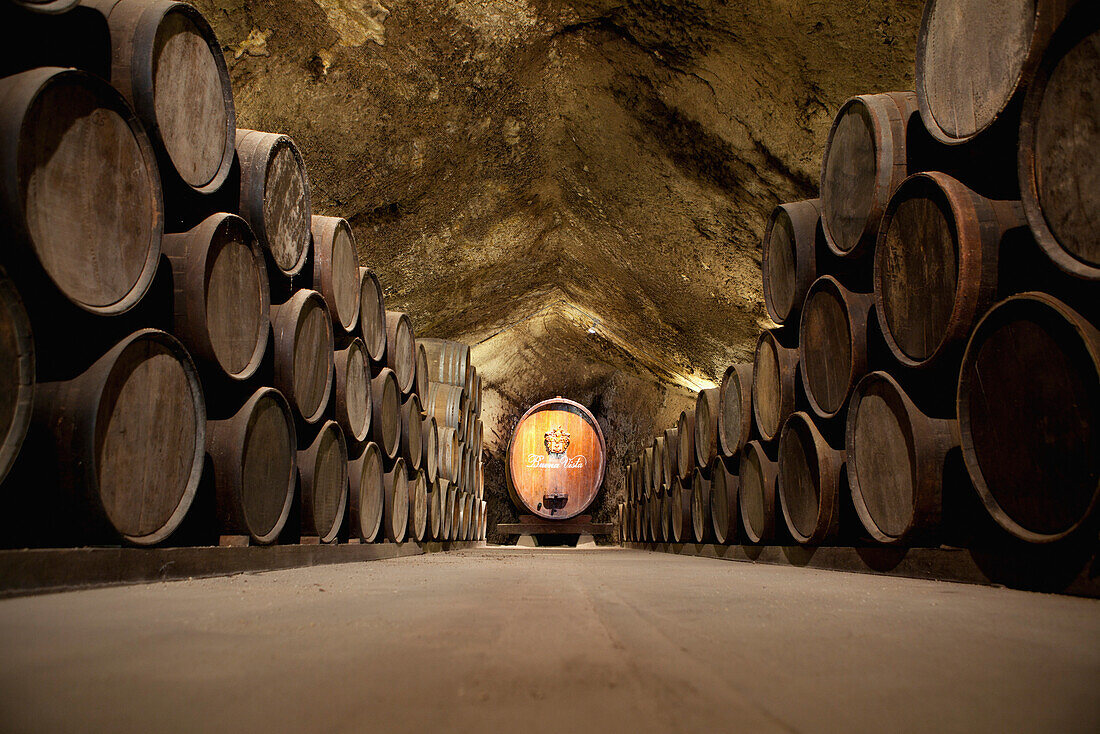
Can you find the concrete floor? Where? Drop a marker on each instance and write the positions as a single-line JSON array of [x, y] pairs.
[[540, 640]]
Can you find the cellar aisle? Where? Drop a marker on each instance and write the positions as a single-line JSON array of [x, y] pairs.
[[541, 640]]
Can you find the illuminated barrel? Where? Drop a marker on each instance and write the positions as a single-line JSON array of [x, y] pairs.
[[556, 460]]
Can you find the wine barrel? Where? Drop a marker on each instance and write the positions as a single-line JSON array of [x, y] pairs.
[[47, 7], [447, 403], [372, 307], [435, 509], [336, 270], [671, 465], [1059, 136], [303, 353], [446, 501], [458, 515], [723, 502], [79, 190], [118, 450], [864, 163], [735, 409], [832, 337], [809, 481], [366, 488], [896, 459], [757, 474], [647, 472], [659, 462], [395, 508], [706, 428], [1029, 416], [681, 524], [477, 395], [221, 298], [401, 350], [254, 463], [353, 396], [323, 468], [469, 534], [167, 62], [789, 260], [685, 452], [418, 507], [664, 523], [422, 377], [974, 57], [700, 506], [556, 460], [774, 384], [429, 451], [16, 373], [448, 361], [936, 265], [412, 427], [471, 381], [450, 454], [385, 413], [275, 197]]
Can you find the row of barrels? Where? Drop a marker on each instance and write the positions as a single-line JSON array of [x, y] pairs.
[[929, 315], [239, 353]]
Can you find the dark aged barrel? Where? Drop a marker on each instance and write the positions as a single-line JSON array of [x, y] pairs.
[[385, 413], [685, 452], [365, 489], [255, 464], [79, 189], [447, 403], [681, 525], [1029, 416], [864, 163], [809, 481], [395, 510], [372, 309], [1059, 137], [974, 57], [435, 509], [126, 439], [774, 384], [167, 62], [16, 373], [700, 506], [723, 502], [735, 409], [556, 459], [429, 450], [422, 377], [275, 197], [895, 462], [471, 381], [47, 7], [706, 427], [401, 349], [647, 472], [448, 361], [659, 462], [418, 506], [450, 454], [446, 499], [458, 515], [789, 261], [832, 339], [353, 396], [672, 463], [412, 440], [936, 265], [469, 528], [323, 468], [336, 270], [303, 353], [221, 296], [756, 496], [664, 517]]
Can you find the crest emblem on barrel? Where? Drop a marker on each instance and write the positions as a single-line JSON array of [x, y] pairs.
[[557, 441]]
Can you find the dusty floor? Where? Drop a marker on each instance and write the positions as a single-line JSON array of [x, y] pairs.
[[500, 640]]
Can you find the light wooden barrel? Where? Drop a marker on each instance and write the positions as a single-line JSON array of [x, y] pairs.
[[365, 490], [385, 413], [221, 299], [700, 506], [723, 502], [412, 426], [336, 270], [809, 481], [434, 508], [789, 259], [1029, 416], [254, 458], [353, 395], [659, 460], [707, 410], [372, 320], [446, 502], [418, 506], [395, 511], [757, 474], [16, 373], [447, 403], [274, 197], [458, 515], [685, 452], [430, 448], [735, 409], [167, 62], [401, 350], [79, 190], [323, 468], [422, 372], [671, 466], [450, 454], [448, 361], [303, 353], [833, 339], [774, 384]]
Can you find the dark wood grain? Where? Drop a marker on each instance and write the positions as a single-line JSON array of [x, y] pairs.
[[757, 501], [16, 373], [275, 197], [833, 344], [809, 481], [303, 353], [735, 424], [401, 350], [323, 469], [385, 413], [774, 375], [365, 488], [724, 510], [372, 309], [336, 270], [789, 259]]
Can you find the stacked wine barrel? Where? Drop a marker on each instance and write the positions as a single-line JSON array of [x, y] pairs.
[[186, 349], [934, 373]]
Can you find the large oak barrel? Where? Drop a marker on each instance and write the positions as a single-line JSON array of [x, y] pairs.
[[221, 295], [365, 489], [700, 506], [401, 350], [809, 481], [671, 468], [659, 462], [395, 511], [422, 372], [832, 337], [418, 506], [385, 413], [47, 7], [450, 454], [681, 524], [447, 403], [556, 459], [353, 396], [167, 62], [254, 460], [372, 319], [723, 502], [774, 384], [16, 373], [974, 57], [458, 514], [435, 508], [323, 468], [446, 501], [1059, 137], [706, 427], [303, 353], [756, 496], [448, 361], [647, 472], [896, 458], [126, 439], [336, 270], [864, 163], [789, 260], [1029, 416], [275, 197], [412, 426], [79, 188], [735, 409], [429, 451], [685, 453]]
